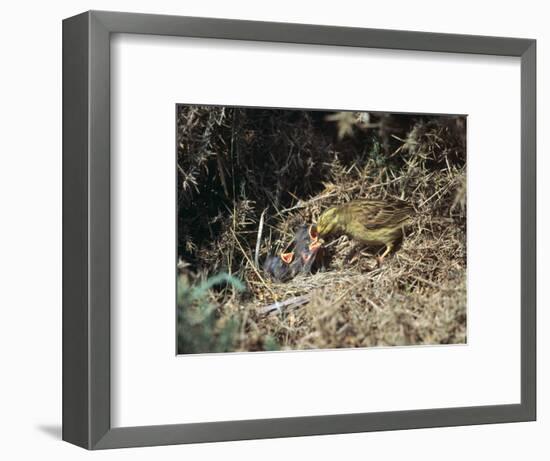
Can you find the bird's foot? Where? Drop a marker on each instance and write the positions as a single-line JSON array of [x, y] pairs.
[[380, 258]]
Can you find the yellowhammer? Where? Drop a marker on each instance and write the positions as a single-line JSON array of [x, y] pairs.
[[370, 222]]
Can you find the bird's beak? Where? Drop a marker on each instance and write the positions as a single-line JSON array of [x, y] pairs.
[[314, 246]]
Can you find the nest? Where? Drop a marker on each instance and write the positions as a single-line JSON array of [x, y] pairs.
[[245, 169]]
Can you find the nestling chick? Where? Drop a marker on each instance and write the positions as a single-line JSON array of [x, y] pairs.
[[306, 249], [277, 268], [303, 257], [369, 222]]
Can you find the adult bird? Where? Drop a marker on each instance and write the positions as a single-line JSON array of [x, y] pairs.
[[369, 222]]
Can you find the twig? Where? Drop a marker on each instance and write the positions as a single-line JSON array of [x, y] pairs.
[[278, 306], [303, 204], [259, 239], [373, 304], [222, 175], [251, 263], [427, 282]]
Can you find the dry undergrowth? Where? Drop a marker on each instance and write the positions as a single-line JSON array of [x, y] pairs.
[[418, 296]]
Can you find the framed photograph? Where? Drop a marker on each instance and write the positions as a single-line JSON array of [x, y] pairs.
[[275, 230], [298, 213]]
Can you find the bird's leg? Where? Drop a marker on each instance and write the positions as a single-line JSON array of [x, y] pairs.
[[379, 259]]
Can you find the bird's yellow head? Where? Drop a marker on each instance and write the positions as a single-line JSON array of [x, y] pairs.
[[328, 222]]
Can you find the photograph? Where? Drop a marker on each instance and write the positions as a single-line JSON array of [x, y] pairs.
[[303, 229]]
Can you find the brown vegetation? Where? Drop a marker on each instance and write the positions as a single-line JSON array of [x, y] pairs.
[[235, 165]]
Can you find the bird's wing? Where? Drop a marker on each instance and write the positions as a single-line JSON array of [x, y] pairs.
[[376, 214]]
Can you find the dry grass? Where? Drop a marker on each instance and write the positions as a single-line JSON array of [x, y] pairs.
[[418, 296]]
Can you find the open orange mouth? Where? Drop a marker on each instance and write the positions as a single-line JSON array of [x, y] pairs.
[[287, 257], [313, 246], [314, 237], [313, 234]]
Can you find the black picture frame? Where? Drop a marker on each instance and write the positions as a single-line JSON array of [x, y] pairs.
[[86, 229]]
